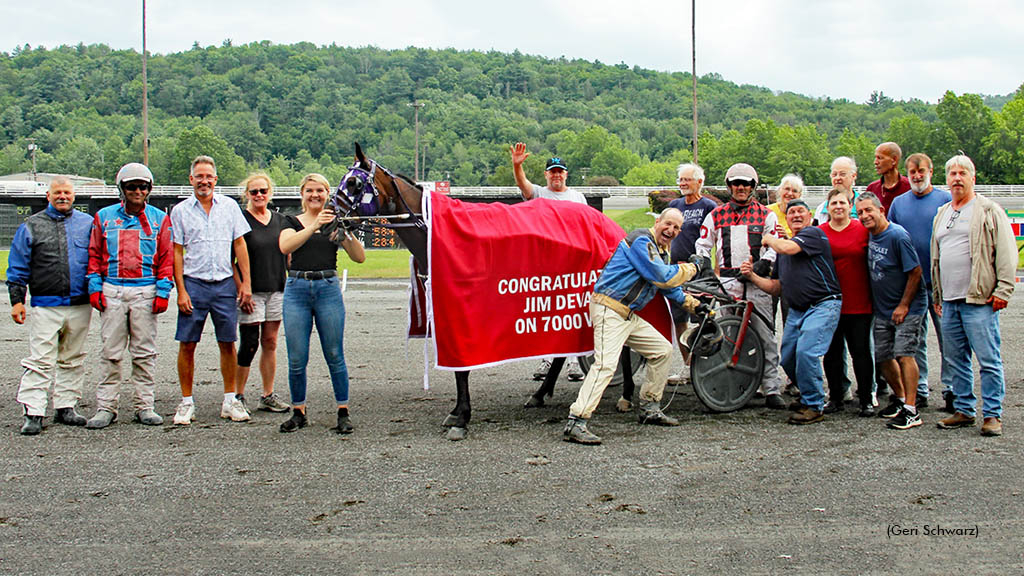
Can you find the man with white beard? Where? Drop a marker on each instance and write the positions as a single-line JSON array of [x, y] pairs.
[[915, 212]]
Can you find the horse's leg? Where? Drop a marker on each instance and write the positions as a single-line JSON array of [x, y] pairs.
[[547, 388], [625, 403], [460, 427]]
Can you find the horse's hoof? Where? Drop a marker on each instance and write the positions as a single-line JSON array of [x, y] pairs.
[[534, 402], [449, 421], [623, 405], [455, 433]]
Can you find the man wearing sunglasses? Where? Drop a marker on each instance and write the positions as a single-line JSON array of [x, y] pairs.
[[131, 267], [735, 229], [974, 261]]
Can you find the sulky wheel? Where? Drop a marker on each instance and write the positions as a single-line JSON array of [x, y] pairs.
[[722, 388]]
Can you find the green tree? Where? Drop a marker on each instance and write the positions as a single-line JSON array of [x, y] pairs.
[[1005, 145], [202, 141], [82, 156]]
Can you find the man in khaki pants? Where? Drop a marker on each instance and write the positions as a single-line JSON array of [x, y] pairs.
[[130, 269], [48, 258], [632, 277]]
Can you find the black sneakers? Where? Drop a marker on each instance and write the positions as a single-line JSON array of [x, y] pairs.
[[298, 420], [904, 419], [344, 424], [891, 410]]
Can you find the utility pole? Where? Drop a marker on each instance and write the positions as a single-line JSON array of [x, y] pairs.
[[145, 93], [693, 49], [416, 105]]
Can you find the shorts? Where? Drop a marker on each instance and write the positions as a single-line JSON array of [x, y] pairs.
[[218, 299], [892, 341], [266, 307]]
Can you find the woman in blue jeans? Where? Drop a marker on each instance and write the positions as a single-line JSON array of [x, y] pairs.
[[312, 294]]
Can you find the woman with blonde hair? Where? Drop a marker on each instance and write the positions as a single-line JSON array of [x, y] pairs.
[[259, 322], [312, 294]]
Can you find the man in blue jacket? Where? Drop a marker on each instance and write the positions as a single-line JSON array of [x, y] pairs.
[[48, 257], [632, 277]]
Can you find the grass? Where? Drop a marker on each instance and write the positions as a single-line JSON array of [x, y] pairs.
[[387, 263]]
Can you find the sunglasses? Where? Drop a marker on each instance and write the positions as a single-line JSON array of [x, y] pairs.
[[742, 182], [259, 191], [133, 186]]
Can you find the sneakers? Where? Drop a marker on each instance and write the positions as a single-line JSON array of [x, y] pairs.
[[102, 419], [922, 402], [273, 403], [33, 425], [298, 420], [805, 416], [793, 390], [344, 424], [834, 407], [947, 398], [576, 432], [68, 417], [147, 417], [542, 370], [866, 411], [957, 420], [904, 419], [891, 410], [774, 402], [234, 410], [992, 426], [680, 379], [185, 414], [573, 372], [651, 413]]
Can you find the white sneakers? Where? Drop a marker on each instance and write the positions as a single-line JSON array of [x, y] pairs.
[[185, 414], [235, 411]]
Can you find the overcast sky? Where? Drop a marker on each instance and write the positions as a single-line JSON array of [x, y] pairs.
[[837, 48]]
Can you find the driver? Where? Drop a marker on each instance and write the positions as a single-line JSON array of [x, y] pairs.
[[737, 230], [631, 278]]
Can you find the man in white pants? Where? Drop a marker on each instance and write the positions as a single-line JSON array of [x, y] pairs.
[[48, 258]]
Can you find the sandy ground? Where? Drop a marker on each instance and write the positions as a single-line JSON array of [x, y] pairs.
[[733, 493]]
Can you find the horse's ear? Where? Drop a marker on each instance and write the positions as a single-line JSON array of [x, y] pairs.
[[360, 158]]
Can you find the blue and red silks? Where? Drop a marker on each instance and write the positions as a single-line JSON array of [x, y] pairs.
[[511, 282]]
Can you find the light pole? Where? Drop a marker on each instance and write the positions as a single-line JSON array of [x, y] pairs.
[[693, 49], [416, 105], [32, 152], [145, 93]]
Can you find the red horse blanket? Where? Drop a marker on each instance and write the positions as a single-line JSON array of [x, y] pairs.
[[509, 282]]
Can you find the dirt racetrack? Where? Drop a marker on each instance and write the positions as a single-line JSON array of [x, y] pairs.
[[739, 493]]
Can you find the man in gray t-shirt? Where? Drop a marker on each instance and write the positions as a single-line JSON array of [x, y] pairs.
[[556, 174]]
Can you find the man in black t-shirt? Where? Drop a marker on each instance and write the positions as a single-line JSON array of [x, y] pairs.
[[805, 267]]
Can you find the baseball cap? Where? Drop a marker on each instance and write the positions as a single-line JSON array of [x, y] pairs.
[[556, 162], [797, 202], [741, 172]]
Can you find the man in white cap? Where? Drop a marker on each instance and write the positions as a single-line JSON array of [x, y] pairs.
[[736, 229], [131, 266]]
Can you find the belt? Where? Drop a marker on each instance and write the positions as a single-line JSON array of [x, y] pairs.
[[827, 298], [312, 274]]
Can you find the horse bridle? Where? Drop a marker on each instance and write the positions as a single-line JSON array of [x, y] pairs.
[[364, 201]]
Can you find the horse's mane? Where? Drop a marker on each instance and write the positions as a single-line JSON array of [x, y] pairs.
[[407, 180]]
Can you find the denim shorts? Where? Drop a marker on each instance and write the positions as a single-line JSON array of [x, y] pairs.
[[896, 341], [266, 307], [216, 299]]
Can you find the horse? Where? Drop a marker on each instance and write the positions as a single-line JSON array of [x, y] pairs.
[[370, 193]]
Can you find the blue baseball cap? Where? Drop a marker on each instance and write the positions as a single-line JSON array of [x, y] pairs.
[[556, 162]]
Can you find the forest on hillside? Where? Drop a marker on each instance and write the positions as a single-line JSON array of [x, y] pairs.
[[294, 109]]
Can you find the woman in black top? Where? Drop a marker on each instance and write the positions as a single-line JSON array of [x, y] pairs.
[[258, 323], [312, 294]]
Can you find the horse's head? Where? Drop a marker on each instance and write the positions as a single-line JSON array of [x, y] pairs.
[[368, 189]]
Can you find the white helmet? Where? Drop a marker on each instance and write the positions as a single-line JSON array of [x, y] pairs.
[[133, 171]]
